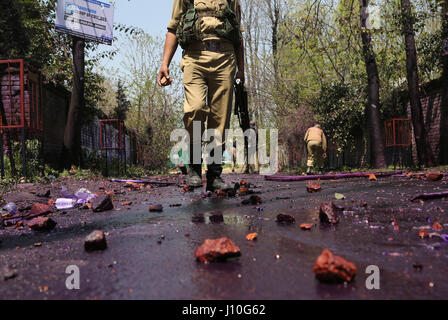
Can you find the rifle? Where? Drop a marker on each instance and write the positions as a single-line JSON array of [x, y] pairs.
[[242, 111]]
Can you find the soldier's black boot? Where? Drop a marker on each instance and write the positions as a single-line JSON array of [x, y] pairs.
[[194, 178], [214, 180]]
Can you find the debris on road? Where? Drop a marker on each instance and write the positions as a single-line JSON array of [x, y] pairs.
[[103, 203], [41, 224], [11, 207], [437, 226], [217, 250], [332, 176], [153, 182], [95, 241], [339, 196], [313, 187], [253, 200], [306, 226], [7, 273], [156, 208], [328, 214], [65, 203], [285, 218], [434, 176], [423, 234], [252, 236], [39, 209], [427, 196], [331, 268], [45, 194]]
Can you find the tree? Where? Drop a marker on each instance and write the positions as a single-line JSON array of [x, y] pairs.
[[72, 134], [424, 152], [376, 130], [443, 156], [123, 104]]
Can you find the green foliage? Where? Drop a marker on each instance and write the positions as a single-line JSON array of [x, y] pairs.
[[123, 105], [341, 116]]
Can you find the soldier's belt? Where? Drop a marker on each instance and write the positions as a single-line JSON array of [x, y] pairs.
[[211, 45]]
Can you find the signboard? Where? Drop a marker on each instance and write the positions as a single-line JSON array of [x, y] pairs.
[[88, 19]]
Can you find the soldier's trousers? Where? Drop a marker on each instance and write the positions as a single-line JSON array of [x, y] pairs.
[[315, 152], [208, 81]]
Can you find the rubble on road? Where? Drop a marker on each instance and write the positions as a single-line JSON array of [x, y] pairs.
[[313, 187], [306, 226], [331, 268], [41, 224], [253, 200], [328, 213], [7, 273], [156, 208], [285, 218], [95, 241], [252, 236], [39, 209], [102, 203], [217, 250]]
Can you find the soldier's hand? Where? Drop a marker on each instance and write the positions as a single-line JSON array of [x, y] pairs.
[[240, 75], [163, 78], [325, 155]]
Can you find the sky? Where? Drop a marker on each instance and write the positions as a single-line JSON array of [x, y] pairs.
[[150, 15]]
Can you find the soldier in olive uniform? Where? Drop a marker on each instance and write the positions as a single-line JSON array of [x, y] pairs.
[[316, 144], [210, 34]]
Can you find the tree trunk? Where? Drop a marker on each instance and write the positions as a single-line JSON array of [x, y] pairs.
[[443, 155], [72, 134], [424, 152], [376, 129]]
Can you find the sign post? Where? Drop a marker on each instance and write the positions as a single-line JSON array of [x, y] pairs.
[[84, 20], [87, 19]]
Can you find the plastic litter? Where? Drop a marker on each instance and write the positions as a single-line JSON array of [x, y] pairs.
[[65, 203], [11, 207], [66, 194], [83, 195]]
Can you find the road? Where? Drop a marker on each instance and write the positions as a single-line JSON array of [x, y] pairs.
[[149, 255]]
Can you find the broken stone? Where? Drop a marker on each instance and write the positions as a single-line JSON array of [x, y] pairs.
[[95, 241], [42, 224], [176, 205], [252, 236], [6, 273], [437, 226], [417, 266], [331, 268], [243, 191], [198, 218], [328, 214], [221, 193], [423, 234], [217, 250], [102, 203], [313, 187], [126, 203], [434, 176], [216, 218], [39, 209], [156, 208], [253, 200], [306, 226], [285, 218], [45, 194]]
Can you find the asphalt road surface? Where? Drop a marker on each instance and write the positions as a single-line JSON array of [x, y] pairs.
[[149, 255]]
